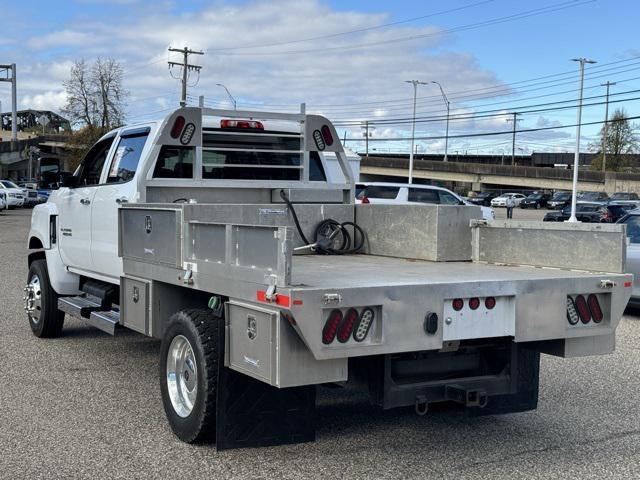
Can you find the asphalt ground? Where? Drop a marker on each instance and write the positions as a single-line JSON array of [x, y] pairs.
[[88, 405]]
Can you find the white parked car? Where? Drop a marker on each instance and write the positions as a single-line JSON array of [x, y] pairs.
[[501, 201], [3, 201], [15, 195], [402, 193]]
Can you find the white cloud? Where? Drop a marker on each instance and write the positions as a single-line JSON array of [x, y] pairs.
[[50, 100]]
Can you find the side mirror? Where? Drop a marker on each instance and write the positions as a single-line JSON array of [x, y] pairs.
[[70, 181]]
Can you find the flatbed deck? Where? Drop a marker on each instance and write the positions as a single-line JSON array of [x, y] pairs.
[[358, 271]]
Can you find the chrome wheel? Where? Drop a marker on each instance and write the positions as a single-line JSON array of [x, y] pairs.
[[182, 376], [33, 299]]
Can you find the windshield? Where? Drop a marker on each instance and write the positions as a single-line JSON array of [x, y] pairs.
[[534, 196], [561, 196], [8, 184]]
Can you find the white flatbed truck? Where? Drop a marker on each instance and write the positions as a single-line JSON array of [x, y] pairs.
[[222, 234]]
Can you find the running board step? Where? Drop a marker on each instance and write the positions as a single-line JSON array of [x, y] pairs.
[[107, 321], [88, 308], [80, 306]]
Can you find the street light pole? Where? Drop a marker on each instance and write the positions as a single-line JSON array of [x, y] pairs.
[[446, 135], [415, 84], [576, 158], [233, 100], [606, 126]]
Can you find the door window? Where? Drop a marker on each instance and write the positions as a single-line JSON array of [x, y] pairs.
[[91, 167], [423, 195], [633, 228], [379, 191], [125, 160], [447, 199]]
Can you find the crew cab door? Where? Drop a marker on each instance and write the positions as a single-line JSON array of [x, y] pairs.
[[74, 207], [118, 187]]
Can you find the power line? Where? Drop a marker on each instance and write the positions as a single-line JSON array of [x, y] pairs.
[[186, 68], [509, 18]]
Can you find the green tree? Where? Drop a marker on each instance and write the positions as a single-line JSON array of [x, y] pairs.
[[620, 141]]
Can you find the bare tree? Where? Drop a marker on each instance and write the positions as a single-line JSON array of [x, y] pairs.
[[95, 95], [81, 104], [106, 77]]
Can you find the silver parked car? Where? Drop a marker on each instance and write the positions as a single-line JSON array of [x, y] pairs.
[[632, 220]]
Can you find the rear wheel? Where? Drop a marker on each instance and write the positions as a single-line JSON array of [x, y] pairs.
[[189, 363], [41, 302]]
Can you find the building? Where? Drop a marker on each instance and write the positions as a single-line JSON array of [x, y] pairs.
[[31, 120]]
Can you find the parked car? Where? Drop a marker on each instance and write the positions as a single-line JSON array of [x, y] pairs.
[[15, 195], [535, 200], [632, 220], [593, 197], [621, 196], [482, 198], [559, 200], [402, 193], [501, 201], [3, 201], [588, 213], [30, 189]]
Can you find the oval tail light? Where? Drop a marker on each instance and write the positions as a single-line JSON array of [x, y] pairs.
[[331, 326], [583, 309], [457, 304], [326, 134], [346, 328], [361, 331], [594, 308], [572, 313], [490, 303], [474, 303], [178, 125]]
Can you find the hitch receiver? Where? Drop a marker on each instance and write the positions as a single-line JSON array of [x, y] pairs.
[[466, 397]]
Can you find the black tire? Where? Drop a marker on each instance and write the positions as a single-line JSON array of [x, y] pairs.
[[203, 330], [47, 320]]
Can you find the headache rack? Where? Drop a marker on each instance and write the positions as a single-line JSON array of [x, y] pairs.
[[256, 150]]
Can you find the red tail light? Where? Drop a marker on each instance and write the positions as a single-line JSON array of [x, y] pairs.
[[490, 303], [474, 303], [326, 134], [246, 124], [346, 328], [457, 304], [178, 125], [331, 327], [365, 200], [583, 309], [594, 308]]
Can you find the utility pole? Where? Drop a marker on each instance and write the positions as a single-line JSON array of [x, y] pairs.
[[415, 84], [446, 135], [14, 97], [186, 67], [606, 126], [366, 137], [576, 158], [515, 121]]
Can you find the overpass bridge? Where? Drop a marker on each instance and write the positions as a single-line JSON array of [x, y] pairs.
[[482, 176]]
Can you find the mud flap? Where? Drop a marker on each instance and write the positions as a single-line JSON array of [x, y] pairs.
[[527, 381], [251, 413]]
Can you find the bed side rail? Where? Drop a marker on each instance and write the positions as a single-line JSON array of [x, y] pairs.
[[594, 247]]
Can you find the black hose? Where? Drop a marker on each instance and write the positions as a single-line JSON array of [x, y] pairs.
[[326, 233]]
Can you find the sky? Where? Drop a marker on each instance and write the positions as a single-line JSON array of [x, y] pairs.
[[349, 60]]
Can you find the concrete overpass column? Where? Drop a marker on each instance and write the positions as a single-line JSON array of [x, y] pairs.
[[476, 186], [610, 182]]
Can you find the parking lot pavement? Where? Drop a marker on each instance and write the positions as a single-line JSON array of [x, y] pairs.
[[521, 213], [88, 406]]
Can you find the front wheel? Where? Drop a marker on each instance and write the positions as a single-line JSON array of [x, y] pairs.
[[189, 362], [41, 302]]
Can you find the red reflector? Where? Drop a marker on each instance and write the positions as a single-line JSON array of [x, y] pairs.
[[583, 309], [346, 327], [457, 304], [331, 326], [474, 303], [594, 308], [490, 302], [247, 124], [178, 125], [326, 134], [626, 284], [281, 300], [365, 200]]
